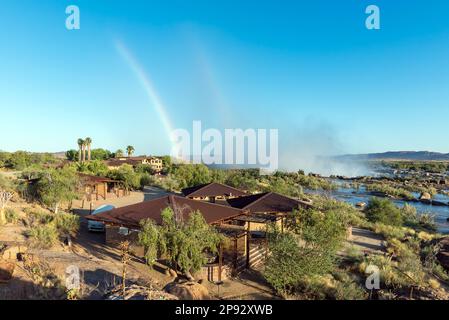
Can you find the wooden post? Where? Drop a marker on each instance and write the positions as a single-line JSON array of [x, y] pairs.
[[220, 261], [248, 236], [235, 254], [266, 247], [282, 224]]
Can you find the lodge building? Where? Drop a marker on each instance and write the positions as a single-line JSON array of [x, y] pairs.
[[240, 217]]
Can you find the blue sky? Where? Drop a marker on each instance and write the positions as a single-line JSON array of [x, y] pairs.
[[309, 68]]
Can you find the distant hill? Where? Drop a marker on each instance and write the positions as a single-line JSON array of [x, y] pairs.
[[397, 155]]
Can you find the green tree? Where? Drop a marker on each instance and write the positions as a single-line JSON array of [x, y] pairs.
[[88, 142], [126, 174], [80, 149], [184, 242], [56, 186], [218, 176], [94, 167], [167, 165], [18, 160], [307, 248], [130, 150], [4, 158], [152, 239], [190, 175], [100, 154], [119, 153], [71, 155], [383, 211]]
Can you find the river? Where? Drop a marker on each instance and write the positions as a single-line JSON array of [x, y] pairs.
[[353, 196]]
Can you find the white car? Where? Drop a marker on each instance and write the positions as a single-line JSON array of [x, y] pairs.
[[98, 226]]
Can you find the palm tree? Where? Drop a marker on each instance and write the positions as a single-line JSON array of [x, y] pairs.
[[88, 144], [80, 148], [130, 150], [84, 150], [119, 153]]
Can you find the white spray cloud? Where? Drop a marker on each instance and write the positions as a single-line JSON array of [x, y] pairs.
[[312, 148]]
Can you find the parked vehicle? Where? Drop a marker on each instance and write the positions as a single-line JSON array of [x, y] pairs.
[[97, 226]]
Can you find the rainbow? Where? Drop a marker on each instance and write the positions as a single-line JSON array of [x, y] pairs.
[[147, 85]]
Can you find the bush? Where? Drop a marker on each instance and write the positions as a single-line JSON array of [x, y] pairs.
[[283, 268], [56, 186], [183, 242], [146, 180], [390, 191], [11, 215], [390, 232], [43, 236], [67, 223], [338, 286], [418, 221], [383, 211], [307, 249], [126, 174], [37, 217]]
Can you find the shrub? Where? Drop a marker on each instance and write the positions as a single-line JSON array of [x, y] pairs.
[[383, 211], [56, 186], [413, 219], [338, 286], [11, 215], [390, 191], [43, 236], [126, 174], [308, 248], [283, 268], [67, 223], [36, 217], [146, 180], [390, 232], [6, 184], [183, 242]]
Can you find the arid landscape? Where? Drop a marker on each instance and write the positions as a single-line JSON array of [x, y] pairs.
[[394, 220]]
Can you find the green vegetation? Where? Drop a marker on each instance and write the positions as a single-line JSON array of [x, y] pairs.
[[191, 175], [390, 191], [303, 260], [127, 175], [307, 250], [11, 215], [96, 154], [43, 236], [182, 242], [427, 166], [94, 167], [56, 186], [45, 229], [130, 150], [383, 211], [20, 160], [417, 221]]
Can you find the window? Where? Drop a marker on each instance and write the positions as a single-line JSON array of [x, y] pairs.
[[123, 231]]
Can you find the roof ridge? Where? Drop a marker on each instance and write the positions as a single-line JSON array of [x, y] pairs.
[[204, 186], [228, 186], [257, 200]]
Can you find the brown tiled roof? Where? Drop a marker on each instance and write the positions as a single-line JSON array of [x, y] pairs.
[[132, 215], [118, 162], [268, 202], [90, 179], [212, 190]]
